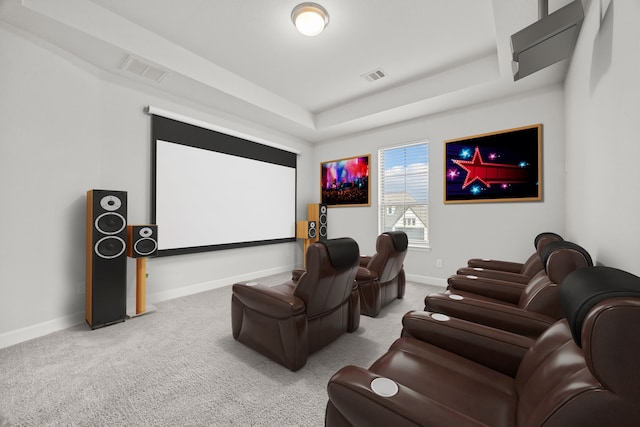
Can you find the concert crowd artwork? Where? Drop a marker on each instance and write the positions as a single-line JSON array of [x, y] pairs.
[[503, 166], [345, 182]]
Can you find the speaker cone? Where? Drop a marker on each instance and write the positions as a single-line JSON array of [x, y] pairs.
[[110, 223], [110, 247], [146, 246]]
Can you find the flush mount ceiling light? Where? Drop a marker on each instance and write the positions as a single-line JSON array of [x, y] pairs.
[[310, 18]]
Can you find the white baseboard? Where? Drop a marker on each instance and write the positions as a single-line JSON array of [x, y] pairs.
[[207, 286], [41, 329], [45, 328], [426, 280]]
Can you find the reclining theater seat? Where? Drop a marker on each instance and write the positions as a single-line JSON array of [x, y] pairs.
[[511, 271], [561, 262], [538, 305], [381, 277], [290, 321], [583, 371]]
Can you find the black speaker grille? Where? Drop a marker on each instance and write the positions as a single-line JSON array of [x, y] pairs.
[[110, 223], [110, 247], [323, 222], [146, 246]]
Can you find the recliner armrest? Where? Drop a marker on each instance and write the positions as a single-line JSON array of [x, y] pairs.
[[497, 349], [268, 300], [498, 289], [297, 273], [364, 275], [495, 264], [351, 396], [494, 274], [364, 260], [508, 318]]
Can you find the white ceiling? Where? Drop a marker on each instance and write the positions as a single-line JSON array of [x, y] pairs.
[[245, 58]]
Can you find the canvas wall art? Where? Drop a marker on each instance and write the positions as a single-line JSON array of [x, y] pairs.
[[345, 182], [503, 166]]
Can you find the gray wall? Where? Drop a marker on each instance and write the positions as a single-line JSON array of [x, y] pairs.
[[602, 141]]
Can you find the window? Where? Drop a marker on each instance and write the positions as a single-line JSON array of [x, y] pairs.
[[403, 191]]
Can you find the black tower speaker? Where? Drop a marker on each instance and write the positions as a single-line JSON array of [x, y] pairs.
[[142, 240], [106, 269], [318, 212]]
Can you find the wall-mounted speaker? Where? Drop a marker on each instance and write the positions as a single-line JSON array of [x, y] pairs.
[[142, 240], [106, 259], [306, 230], [318, 212]]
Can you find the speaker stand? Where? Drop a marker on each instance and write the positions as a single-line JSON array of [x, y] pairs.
[[141, 291], [305, 246]]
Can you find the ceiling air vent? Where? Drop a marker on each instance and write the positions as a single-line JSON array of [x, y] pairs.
[[143, 69], [374, 75]]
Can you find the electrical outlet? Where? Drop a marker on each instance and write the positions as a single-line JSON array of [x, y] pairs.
[[439, 263], [80, 288]]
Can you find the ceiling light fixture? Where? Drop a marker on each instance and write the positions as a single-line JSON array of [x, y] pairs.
[[310, 18]]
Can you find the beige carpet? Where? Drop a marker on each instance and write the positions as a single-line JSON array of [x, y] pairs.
[[179, 366]]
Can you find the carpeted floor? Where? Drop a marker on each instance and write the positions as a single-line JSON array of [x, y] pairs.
[[180, 366]]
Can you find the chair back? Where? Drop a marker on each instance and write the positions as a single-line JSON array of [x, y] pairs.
[[559, 259], [391, 250], [583, 370], [329, 278], [534, 264]]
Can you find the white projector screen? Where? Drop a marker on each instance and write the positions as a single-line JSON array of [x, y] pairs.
[[215, 191]]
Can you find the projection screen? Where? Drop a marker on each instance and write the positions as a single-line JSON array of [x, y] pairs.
[[213, 191]]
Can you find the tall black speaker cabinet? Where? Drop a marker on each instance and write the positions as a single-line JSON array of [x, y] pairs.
[[106, 269], [318, 212]]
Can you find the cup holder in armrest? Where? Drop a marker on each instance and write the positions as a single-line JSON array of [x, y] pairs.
[[384, 387], [456, 297], [440, 317]]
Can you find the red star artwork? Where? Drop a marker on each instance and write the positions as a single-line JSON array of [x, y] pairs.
[[490, 173]]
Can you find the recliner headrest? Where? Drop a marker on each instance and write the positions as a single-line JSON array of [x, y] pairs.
[[551, 247], [546, 235], [399, 239], [343, 252], [585, 287]]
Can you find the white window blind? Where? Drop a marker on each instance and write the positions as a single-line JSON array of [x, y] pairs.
[[403, 191]]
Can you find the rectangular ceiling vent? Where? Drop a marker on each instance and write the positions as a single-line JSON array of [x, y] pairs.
[[143, 69], [374, 75]]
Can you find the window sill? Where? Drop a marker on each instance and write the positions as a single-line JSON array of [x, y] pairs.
[[420, 248]]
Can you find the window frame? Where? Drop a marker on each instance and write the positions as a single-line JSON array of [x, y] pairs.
[[384, 208]]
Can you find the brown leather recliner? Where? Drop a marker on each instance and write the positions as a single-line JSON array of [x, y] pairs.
[[511, 271], [583, 371], [290, 321], [537, 307], [381, 277]]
